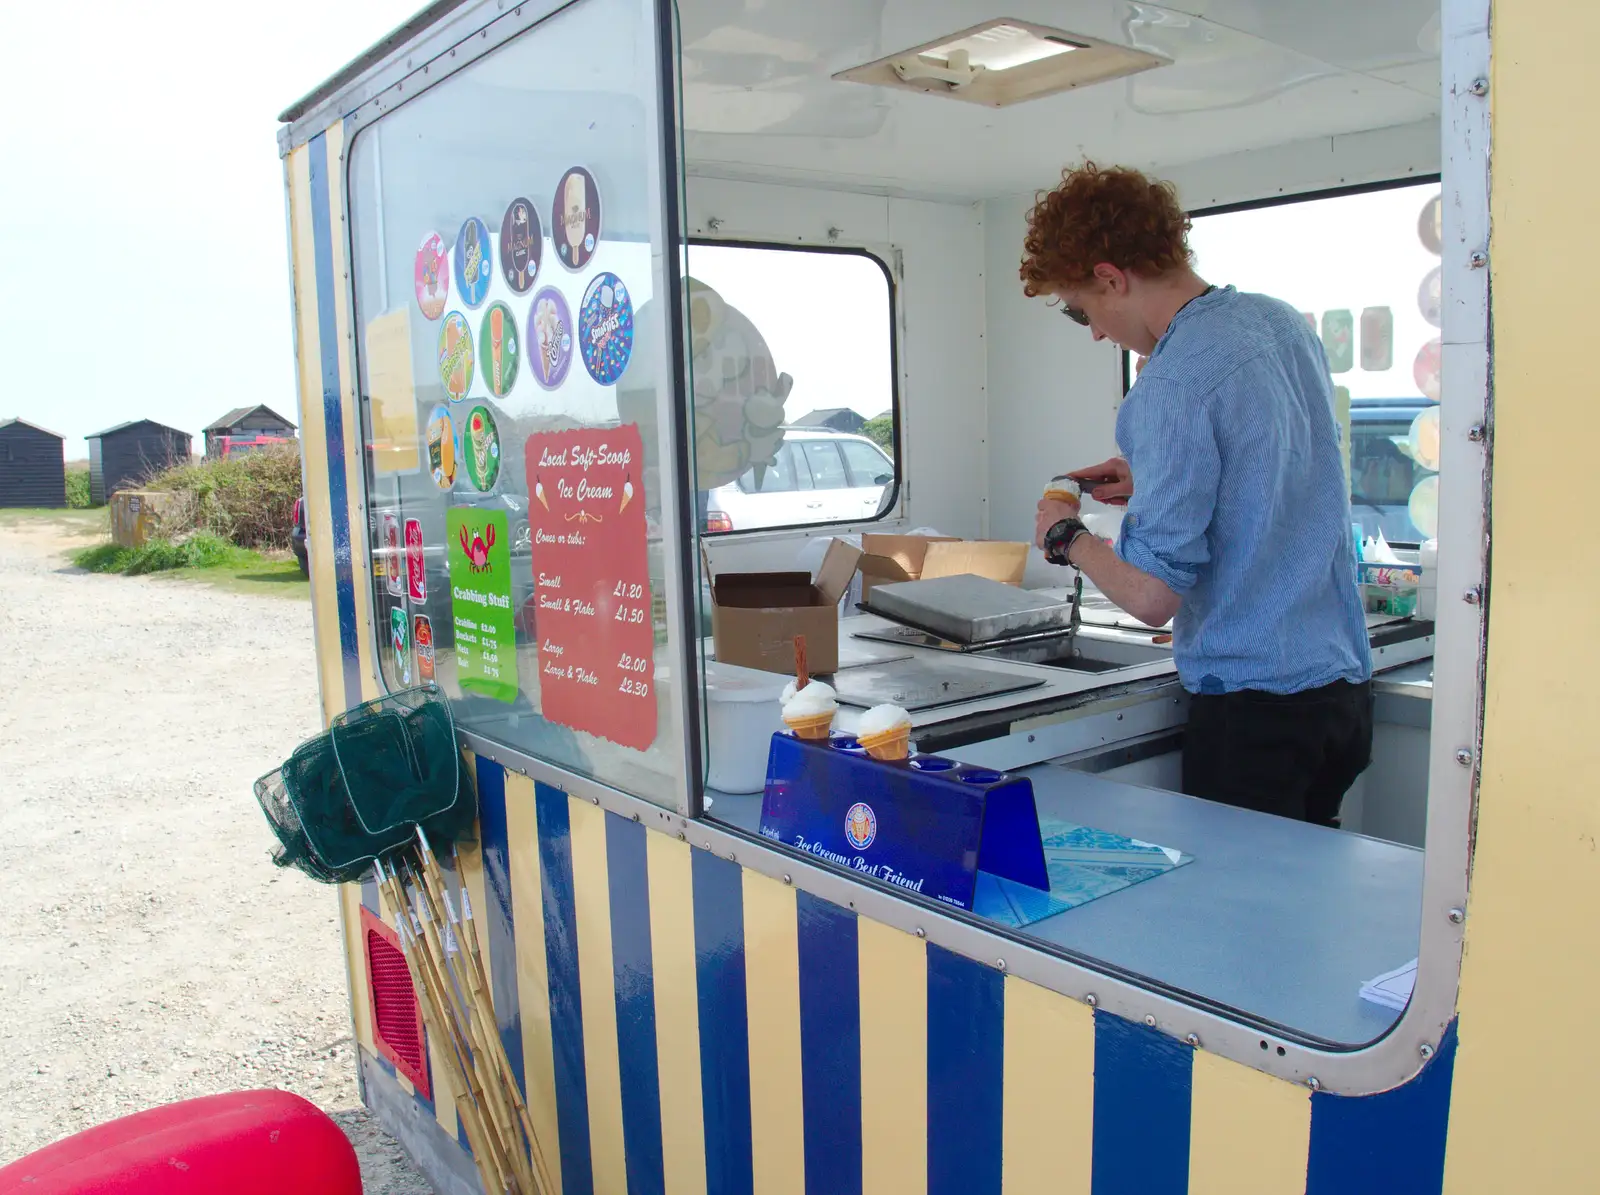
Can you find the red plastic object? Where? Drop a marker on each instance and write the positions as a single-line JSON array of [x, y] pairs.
[[242, 1143]]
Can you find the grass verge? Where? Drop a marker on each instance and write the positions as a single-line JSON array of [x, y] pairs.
[[202, 557]]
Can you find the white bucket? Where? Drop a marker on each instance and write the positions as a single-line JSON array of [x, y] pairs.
[[743, 708]]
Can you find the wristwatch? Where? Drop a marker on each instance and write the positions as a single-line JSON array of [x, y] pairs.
[[1059, 539]]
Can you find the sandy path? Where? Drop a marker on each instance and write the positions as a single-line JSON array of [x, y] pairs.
[[150, 952]]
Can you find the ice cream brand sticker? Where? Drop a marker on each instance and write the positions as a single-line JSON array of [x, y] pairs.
[[521, 243], [432, 276], [605, 328], [550, 335], [472, 261], [400, 638], [416, 569], [480, 444], [393, 560], [860, 825], [442, 447], [575, 218], [422, 637], [455, 356], [497, 339]]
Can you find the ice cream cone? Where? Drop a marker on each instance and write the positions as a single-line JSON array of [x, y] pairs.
[[815, 727], [891, 744]]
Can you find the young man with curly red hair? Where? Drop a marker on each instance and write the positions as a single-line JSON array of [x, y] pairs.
[[1238, 512]]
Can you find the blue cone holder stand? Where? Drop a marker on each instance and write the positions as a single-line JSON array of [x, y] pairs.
[[925, 824]]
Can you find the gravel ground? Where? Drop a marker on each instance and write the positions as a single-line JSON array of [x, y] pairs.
[[151, 952]]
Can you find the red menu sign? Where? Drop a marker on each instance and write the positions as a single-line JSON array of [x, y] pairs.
[[591, 581]]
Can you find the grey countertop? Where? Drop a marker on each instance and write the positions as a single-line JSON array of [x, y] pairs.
[[1275, 918]]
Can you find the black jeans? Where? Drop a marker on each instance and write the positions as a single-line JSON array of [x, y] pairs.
[[1291, 754]]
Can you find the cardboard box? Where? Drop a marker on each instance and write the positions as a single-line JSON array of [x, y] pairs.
[[755, 616], [917, 557]]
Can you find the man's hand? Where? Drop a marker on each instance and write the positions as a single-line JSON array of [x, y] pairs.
[[1112, 481], [1051, 512]]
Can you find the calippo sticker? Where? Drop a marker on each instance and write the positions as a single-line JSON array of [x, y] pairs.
[[400, 639], [455, 356], [472, 261], [497, 339], [422, 637], [521, 243], [442, 447], [1430, 225], [480, 444], [1425, 369], [1430, 297], [392, 554], [550, 335], [605, 328], [575, 218], [432, 276], [416, 570]]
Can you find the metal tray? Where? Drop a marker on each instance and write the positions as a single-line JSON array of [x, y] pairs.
[[924, 684], [969, 609]]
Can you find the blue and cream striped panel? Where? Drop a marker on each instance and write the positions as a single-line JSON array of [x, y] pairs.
[[704, 1030], [685, 1027]]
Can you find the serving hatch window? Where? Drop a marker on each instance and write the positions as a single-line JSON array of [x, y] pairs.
[[507, 232], [792, 366]]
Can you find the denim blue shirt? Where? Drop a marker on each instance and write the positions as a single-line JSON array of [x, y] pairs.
[[1240, 503]]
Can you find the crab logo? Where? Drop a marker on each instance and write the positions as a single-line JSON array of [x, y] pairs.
[[860, 825], [476, 548]]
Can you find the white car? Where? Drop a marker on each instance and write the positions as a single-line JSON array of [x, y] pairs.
[[819, 476]]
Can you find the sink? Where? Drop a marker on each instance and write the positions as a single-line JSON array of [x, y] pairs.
[[1085, 655]]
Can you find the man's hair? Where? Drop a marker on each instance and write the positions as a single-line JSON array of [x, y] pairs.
[[1114, 215]]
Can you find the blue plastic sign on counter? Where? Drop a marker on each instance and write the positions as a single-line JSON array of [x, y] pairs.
[[925, 824]]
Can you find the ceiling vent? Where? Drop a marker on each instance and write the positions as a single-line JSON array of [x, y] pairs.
[[1003, 62]]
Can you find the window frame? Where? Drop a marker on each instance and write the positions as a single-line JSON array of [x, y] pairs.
[[886, 510]]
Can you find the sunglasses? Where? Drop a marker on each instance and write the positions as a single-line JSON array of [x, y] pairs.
[[1076, 314]]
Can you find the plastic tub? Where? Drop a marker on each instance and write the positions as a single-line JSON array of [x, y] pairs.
[[743, 708]]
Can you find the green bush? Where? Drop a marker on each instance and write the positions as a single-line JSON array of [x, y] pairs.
[[246, 500], [161, 555], [78, 487], [880, 431]]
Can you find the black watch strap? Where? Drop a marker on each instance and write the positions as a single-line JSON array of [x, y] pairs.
[[1059, 539]]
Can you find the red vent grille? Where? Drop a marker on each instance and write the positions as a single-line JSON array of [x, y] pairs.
[[397, 1028]]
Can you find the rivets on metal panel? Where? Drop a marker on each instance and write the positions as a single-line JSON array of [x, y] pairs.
[[921, 933], [594, 800], [999, 964], [788, 879], [1425, 1050], [1457, 916], [1150, 1019], [1464, 758], [682, 837], [1479, 88], [1478, 260], [731, 859], [1477, 433], [1473, 596], [636, 817], [713, 223], [1314, 1083], [1030, 738], [708, 846], [1193, 1039], [1091, 999]]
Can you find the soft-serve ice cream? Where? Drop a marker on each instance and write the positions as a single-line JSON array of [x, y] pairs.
[[885, 732], [809, 711]]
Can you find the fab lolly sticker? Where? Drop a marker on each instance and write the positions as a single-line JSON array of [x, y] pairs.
[[498, 342], [521, 243], [442, 451], [432, 276], [550, 337], [575, 218], [605, 328], [393, 555], [472, 261], [480, 445], [455, 356]]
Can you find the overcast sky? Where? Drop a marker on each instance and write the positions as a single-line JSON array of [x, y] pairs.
[[141, 212]]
